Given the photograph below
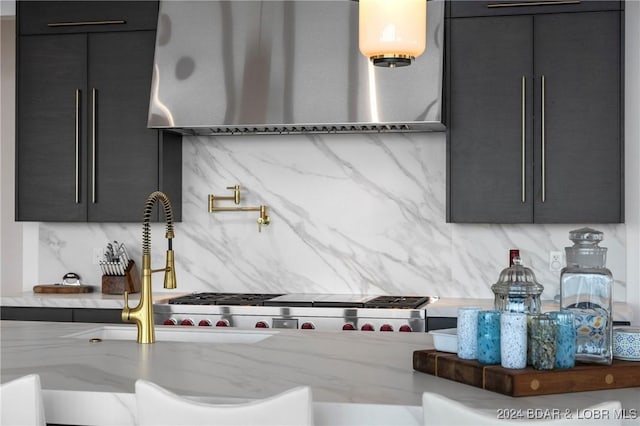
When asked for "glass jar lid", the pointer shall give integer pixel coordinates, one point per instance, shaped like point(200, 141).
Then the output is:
point(586, 236)
point(585, 251)
point(517, 280)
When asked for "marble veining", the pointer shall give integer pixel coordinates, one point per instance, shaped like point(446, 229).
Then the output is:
point(350, 213)
point(352, 375)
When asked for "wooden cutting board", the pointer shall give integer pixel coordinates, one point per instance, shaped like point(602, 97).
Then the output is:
point(528, 381)
point(59, 288)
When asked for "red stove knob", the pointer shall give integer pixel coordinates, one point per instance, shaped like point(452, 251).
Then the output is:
point(348, 326)
point(367, 327)
point(307, 326)
point(262, 324)
point(186, 321)
point(204, 323)
point(222, 323)
point(386, 327)
point(405, 327)
point(169, 321)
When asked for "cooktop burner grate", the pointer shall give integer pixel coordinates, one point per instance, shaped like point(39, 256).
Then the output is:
point(402, 302)
point(244, 299)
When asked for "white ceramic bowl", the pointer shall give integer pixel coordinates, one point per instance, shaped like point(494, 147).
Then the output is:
point(626, 343)
point(445, 340)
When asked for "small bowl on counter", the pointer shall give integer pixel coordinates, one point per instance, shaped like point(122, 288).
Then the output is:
point(626, 343)
point(445, 340)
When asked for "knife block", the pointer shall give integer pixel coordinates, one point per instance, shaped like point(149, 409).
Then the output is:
point(118, 284)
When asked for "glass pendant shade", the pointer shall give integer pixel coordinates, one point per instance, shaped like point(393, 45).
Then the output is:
point(392, 32)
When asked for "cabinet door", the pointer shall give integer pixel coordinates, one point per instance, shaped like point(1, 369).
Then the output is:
point(579, 57)
point(489, 163)
point(62, 17)
point(123, 153)
point(50, 172)
point(462, 8)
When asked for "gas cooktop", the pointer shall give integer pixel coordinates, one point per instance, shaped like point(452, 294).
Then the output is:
point(303, 300)
point(302, 311)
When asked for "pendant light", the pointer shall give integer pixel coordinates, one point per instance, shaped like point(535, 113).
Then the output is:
point(392, 33)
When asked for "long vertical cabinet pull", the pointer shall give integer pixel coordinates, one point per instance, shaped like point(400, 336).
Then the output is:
point(77, 137)
point(544, 168)
point(94, 92)
point(522, 148)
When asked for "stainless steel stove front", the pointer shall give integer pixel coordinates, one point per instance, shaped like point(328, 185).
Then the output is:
point(317, 318)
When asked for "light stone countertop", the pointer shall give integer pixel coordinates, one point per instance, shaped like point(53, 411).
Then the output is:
point(347, 371)
point(444, 307)
point(96, 300)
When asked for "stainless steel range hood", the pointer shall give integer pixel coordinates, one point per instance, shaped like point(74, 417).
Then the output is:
point(233, 67)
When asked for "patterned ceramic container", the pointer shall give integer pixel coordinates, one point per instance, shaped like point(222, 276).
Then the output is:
point(626, 343)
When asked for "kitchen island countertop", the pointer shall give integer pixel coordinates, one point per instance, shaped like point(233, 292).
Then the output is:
point(341, 367)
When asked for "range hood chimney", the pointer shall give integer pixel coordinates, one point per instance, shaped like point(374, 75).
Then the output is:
point(279, 66)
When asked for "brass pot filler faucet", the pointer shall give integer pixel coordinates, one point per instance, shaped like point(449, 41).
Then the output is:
point(263, 219)
point(142, 315)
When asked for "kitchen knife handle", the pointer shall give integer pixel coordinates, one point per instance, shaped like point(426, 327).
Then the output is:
point(94, 93)
point(523, 96)
point(544, 166)
point(77, 147)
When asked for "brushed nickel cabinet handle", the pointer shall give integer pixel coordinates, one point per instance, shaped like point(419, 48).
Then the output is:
point(94, 92)
point(522, 148)
point(544, 167)
point(534, 3)
point(77, 147)
point(78, 23)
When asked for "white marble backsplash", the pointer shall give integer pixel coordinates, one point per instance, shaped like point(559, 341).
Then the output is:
point(349, 214)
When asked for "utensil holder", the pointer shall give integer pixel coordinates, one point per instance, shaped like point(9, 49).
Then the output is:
point(118, 284)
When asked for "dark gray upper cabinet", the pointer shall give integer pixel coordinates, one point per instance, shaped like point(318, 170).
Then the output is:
point(466, 8)
point(83, 151)
point(60, 17)
point(534, 118)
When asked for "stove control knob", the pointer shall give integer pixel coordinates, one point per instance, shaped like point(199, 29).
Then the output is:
point(405, 327)
point(204, 323)
point(386, 327)
point(222, 323)
point(169, 321)
point(367, 327)
point(186, 321)
point(307, 326)
point(262, 324)
point(348, 326)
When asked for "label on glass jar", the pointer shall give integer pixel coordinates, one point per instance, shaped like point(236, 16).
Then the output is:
point(591, 329)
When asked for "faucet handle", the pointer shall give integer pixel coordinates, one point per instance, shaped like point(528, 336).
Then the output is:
point(236, 193)
point(126, 310)
point(264, 218)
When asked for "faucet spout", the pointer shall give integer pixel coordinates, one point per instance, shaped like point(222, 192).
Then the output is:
point(142, 314)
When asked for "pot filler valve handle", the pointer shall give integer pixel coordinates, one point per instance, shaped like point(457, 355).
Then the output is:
point(263, 219)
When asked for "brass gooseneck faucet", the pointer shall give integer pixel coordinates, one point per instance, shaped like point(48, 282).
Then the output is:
point(142, 315)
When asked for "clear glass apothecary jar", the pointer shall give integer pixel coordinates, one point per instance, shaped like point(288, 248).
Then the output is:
point(586, 287)
point(517, 289)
